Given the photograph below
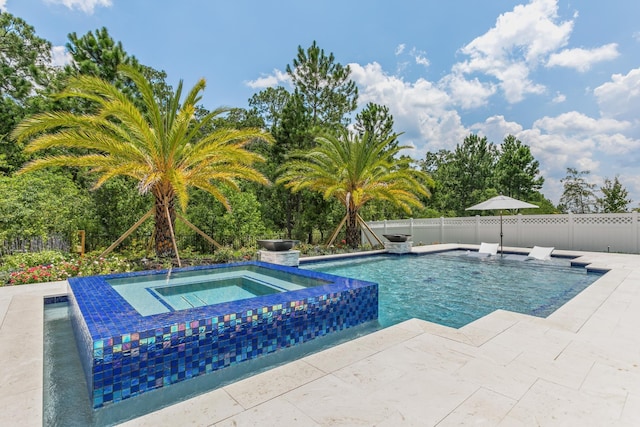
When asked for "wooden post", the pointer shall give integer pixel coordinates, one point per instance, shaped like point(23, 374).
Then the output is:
point(197, 230)
point(337, 230)
point(366, 226)
point(80, 248)
point(127, 233)
point(173, 235)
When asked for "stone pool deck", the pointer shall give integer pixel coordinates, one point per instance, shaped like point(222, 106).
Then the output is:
point(580, 366)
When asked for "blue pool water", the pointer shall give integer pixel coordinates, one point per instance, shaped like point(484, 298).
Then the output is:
point(453, 289)
point(151, 294)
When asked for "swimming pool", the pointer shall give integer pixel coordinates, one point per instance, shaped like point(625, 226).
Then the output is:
point(453, 289)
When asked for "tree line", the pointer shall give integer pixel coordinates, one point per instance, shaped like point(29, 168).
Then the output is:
point(100, 133)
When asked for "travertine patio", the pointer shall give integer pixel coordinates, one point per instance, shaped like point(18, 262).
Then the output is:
point(580, 366)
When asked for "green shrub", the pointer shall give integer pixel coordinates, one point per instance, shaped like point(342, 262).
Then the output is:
point(223, 255)
point(21, 261)
point(40, 267)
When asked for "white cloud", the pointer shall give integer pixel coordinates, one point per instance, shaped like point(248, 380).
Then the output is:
point(270, 80)
point(3, 5)
point(620, 98)
point(86, 6)
point(576, 140)
point(559, 98)
point(617, 144)
point(60, 56)
point(468, 94)
point(582, 59)
point(421, 109)
point(420, 57)
point(496, 128)
point(556, 152)
point(575, 123)
point(422, 60)
point(399, 49)
point(519, 41)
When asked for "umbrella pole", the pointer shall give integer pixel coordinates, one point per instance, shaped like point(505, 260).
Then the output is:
point(501, 249)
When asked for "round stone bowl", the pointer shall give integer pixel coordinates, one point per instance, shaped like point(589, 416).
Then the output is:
point(397, 237)
point(277, 245)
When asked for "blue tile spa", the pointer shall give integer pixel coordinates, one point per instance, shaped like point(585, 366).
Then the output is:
point(138, 332)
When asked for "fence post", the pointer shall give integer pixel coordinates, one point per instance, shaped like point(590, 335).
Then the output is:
point(634, 227)
point(385, 227)
point(476, 237)
point(519, 229)
point(571, 231)
point(411, 226)
point(441, 229)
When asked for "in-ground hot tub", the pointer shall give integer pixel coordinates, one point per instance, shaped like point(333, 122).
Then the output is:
point(139, 332)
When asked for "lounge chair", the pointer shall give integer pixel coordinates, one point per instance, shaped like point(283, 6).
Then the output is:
point(490, 249)
point(540, 253)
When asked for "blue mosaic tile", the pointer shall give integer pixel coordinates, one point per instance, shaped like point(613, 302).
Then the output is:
point(56, 299)
point(125, 354)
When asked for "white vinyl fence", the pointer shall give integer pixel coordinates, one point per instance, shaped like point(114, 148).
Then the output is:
point(585, 232)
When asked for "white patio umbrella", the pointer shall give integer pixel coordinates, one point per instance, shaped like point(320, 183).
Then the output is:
point(500, 203)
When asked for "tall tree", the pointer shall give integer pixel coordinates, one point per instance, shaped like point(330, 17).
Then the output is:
point(324, 85)
point(270, 104)
point(577, 196)
point(376, 120)
point(98, 54)
point(516, 171)
point(465, 176)
point(615, 197)
point(25, 69)
point(354, 170)
point(161, 149)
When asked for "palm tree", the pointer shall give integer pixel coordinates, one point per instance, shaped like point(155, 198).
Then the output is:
point(355, 169)
point(160, 145)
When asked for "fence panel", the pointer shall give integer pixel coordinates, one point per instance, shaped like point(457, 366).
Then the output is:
point(586, 232)
point(57, 242)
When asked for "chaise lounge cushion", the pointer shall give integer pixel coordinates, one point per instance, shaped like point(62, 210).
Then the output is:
point(488, 248)
point(540, 252)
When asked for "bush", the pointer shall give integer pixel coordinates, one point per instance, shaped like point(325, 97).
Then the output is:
point(47, 267)
point(21, 261)
point(223, 255)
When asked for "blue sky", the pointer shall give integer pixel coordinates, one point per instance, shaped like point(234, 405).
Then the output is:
point(562, 76)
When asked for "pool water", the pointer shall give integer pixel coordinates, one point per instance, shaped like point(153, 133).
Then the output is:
point(151, 294)
point(453, 289)
point(182, 297)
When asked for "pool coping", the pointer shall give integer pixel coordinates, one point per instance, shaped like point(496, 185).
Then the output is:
point(596, 329)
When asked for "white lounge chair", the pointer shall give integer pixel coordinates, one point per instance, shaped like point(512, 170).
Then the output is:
point(488, 248)
point(540, 252)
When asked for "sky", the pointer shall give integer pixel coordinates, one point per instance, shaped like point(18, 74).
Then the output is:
point(561, 76)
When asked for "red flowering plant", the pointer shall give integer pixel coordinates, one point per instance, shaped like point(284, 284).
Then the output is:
point(30, 268)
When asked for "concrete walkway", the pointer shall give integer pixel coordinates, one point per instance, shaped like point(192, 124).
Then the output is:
point(578, 367)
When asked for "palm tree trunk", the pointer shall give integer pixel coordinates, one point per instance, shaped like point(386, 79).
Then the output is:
point(353, 229)
point(163, 226)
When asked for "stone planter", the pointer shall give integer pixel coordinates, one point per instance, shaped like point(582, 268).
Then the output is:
point(397, 237)
point(277, 245)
